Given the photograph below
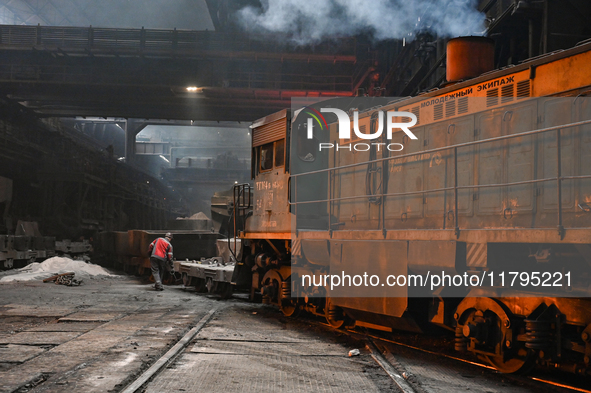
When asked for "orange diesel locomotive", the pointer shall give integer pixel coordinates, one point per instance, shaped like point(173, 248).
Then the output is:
point(499, 180)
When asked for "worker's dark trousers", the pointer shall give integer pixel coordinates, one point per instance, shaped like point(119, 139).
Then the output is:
point(158, 269)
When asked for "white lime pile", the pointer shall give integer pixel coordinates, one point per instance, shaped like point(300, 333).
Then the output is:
point(57, 265)
point(196, 216)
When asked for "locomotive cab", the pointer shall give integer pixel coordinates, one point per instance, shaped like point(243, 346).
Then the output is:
point(270, 174)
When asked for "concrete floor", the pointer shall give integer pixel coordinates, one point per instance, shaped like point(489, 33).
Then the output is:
point(103, 335)
point(92, 338)
point(100, 336)
point(242, 350)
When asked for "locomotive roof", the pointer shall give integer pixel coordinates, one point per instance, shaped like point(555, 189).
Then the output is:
point(531, 64)
point(271, 118)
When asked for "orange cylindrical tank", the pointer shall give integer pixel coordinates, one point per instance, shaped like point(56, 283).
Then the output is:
point(468, 57)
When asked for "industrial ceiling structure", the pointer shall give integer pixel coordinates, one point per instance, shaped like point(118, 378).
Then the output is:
point(164, 74)
point(79, 79)
point(56, 68)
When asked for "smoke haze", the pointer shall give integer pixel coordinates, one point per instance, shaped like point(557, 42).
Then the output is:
point(306, 21)
point(151, 14)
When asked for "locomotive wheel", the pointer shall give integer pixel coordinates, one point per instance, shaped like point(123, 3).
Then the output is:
point(523, 362)
point(290, 309)
point(334, 315)
point(200, 285)
point(485, 323)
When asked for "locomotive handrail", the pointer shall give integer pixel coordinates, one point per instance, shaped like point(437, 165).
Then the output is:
point(558, 178)
point(239, 210)
point(445, 189)
point(465, 144)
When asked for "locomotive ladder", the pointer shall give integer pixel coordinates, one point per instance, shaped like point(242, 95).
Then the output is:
point(242, 203)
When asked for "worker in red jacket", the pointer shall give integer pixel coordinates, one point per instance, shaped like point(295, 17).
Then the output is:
point(160, 257)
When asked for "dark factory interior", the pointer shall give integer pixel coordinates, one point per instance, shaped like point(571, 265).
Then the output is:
point(75, 95)
point(124, 123)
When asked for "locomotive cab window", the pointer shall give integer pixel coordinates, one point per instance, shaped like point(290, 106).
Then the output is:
point(267, 157)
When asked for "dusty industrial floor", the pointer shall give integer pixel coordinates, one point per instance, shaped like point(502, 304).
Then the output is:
point(103, 335)
point(100, 336)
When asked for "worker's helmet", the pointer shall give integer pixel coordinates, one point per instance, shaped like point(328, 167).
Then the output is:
point(168, 235)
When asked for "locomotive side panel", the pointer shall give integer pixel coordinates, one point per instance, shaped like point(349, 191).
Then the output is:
point(556, 112)
point(354, 213)
point(519, 161)
point(406, 175)
point(489, 166)
point(584, 145)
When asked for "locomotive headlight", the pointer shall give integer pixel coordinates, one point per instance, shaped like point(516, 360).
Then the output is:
point(192, 89)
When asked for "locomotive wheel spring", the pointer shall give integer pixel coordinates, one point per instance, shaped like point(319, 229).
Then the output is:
point(538, 334)
point(334, 314)
point(461, 341)
point(286, 290)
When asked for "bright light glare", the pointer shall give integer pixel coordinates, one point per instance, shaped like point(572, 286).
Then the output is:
point(192, 89)
point(164, 158)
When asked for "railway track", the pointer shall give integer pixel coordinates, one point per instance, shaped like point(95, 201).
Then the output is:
point(243, 338)
point(170, 355)
point(397, 358)
point(384, 346)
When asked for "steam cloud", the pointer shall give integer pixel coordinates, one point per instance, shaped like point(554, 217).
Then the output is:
point(306, 21)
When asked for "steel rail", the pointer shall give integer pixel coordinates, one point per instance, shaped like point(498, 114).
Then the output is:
point(170, 355)
point(356, 334)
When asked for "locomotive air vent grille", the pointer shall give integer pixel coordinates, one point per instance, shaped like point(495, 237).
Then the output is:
point(438, 112)
point(463, 105)
point(492, 97)
point(415, 111)
point(507, 93)
point(450, 108)
point(269, 132)
point(523, 89)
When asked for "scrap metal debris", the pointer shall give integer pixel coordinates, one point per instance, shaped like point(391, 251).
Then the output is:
point(64, 279)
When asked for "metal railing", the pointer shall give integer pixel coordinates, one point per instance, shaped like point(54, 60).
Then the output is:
point(146, 41)
point(558, 178)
